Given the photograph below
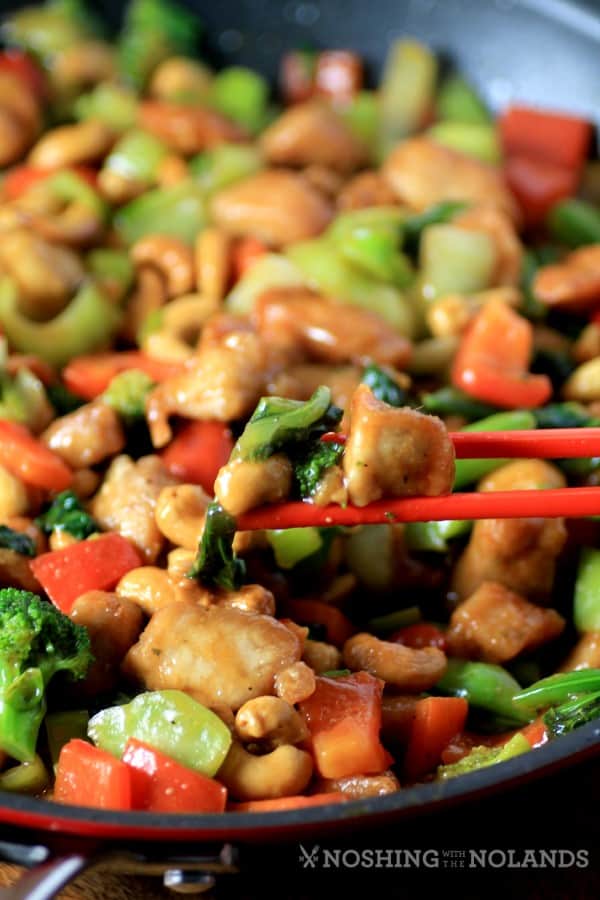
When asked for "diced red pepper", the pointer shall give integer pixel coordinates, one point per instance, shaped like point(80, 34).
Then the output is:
point(492, 360)
point(343, 716)
point(315, 612)
point(96, 564)
point(297, 76)
point(26, 69)
point(87, 776)
point(160, 784)
point(297, 801)
point(339, 74)
point(538, 185)
point(198, 451)
point(30, 460)
point(436, 721)
point(89, 376)
point(18, 180)
point(550, 136)
point(419, 635)
point(246, 251)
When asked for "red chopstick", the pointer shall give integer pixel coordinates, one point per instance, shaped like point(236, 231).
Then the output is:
point(556, 443)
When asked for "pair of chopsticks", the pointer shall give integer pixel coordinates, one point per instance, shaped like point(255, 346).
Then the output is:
point(559, 443)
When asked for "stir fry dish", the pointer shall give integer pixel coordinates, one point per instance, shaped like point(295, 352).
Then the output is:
point(214, 297)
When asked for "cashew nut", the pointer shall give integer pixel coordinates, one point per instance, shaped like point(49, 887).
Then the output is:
point(72, 145)
point(13, 496)
point(171, 257)
point(178, 76)
point(148, 296)
point(321, 657)
point(213, 262)
point(153, 588)
point(270, 719)
point(180, 511)
point(283, 772)
point(295, 683)
point(242, 485)
point(81, 65)
point(403, 667)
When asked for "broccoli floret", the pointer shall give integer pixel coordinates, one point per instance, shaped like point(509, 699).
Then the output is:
point(67, 514)
point(311, 463)
point(36, 642)
point(573, 714)
point(216, 564)
point(383, 386)
point(17, 541)
point(126, 393)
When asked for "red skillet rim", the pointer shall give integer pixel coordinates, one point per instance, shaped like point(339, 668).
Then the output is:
point(43, 815)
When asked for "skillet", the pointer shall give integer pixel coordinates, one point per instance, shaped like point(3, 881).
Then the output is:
point(539, 51)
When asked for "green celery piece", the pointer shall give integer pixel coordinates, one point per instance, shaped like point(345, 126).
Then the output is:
point(137, 156)
point(370, 239)
point(242, 95)
point(291, 545)
point(574, 222)
point(450, 401)
point(112, 269)
point(323, 266)
point(439, 214)
point(486, 686)
point(433, 537)
point(216, 564)
point(110, 103)
point(225, 164)
point(400, 618)
point(558, 688)
point(479, 141)
point(62, 727)
point(271, 270)
point(26, 778)
point(586, 611)
point(481, 757)
point(454, 260)
point(178, 211)
point(457, 101)
point(72, 188)
point(406, 91)
point(88, 322)
point(170, 721)
point(277, 421)
point(361, 115)
point(468, 471)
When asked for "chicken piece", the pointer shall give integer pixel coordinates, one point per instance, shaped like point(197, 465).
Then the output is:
point(357, 787)
point(86, 436)
point(501, 229)
point(422, 173)
point(393, 452)
point(312, 133)
point(585, 654)
point(521, 554)
point(224, 380)
point(495, 625)
point(327, 331)
point(364, 191)
point(276, 206)
point(127, 499)
point(221, 656)
point(574, 283)
point(114, 624)
point(241, 485)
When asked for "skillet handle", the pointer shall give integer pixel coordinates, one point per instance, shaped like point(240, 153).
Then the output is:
point(45, 881)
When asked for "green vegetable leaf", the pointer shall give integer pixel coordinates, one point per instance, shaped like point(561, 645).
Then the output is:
point(216, 564)
point(67, 514)
point(311, 462)
point(383, 386)
point(569, 716)
point(17, 541)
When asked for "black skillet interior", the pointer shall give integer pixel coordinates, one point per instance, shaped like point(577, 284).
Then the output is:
point(540, 51)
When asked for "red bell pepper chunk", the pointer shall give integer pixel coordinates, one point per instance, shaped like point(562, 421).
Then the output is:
point(343, 717)
point(537, 185)
point(30, 460)
point(93, 565)
point(160, 784)
point(246, 251)
point(492, 360)
point(18, 180)
point(89, 376)
point(22, 66)
point(198, 451)
point(87, 776)
point(420, 635)
point(436, 721)
point(549, 136)
point(314, 612)
point(297, 801)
